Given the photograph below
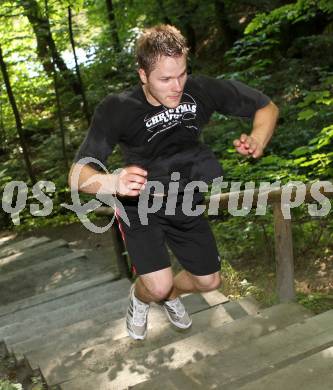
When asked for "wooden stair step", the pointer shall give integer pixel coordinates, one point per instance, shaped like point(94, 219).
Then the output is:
point(131, 366)
point(55, 294)
point(90, 297)
point(31, 256)
point(311, 373)
point(65, 360)
point(51, 274)
point(237, 366)
point(19, 246)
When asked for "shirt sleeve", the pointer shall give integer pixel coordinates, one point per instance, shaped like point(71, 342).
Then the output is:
point(231, 97)
point(102, 135)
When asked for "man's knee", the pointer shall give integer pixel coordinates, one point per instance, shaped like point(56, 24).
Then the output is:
point(207, 282)
point(159, 291)
point(159, 287)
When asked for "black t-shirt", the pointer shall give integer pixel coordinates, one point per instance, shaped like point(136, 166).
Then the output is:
point(164, 140)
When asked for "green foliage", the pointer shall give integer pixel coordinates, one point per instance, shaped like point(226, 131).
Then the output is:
point(304, 104)
point(302, 10)
point(252, 60)
point(298, 78)
point(317, 156)
point(326, 6)
point(246, 247)
point(7, 385)
point(316, 302)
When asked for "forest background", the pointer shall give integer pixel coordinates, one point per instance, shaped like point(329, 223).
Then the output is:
point(60, 58)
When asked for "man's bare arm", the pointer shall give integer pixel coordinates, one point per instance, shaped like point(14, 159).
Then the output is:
point(130, 181)
point(263, 128)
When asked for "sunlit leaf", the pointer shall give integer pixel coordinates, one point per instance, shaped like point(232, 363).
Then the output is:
point(306, 114)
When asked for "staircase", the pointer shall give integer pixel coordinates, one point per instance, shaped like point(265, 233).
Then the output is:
point(18, 371)
point(65, 314)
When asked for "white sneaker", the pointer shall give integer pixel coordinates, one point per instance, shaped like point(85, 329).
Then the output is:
point(136, 318)
point(177, 314)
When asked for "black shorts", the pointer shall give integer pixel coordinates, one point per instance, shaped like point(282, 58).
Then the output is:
point(189, 237)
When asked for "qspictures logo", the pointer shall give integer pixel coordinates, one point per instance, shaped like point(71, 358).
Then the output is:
point(155, 195)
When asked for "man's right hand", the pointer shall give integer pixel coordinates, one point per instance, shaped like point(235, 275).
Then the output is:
point(131, 181)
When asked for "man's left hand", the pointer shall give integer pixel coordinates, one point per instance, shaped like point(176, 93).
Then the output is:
point(248, 146)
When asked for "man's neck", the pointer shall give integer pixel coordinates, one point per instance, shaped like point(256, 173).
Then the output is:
point(149, 97)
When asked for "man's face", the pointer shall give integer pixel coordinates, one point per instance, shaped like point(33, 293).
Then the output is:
point(165, 83)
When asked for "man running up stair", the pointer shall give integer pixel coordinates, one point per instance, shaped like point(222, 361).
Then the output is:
point(158, 125)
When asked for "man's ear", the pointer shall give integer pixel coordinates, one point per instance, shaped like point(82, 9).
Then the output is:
point(143, 76)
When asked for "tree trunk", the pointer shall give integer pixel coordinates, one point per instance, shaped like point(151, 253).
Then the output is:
point(113, 26)
point(3, 135)
point(189, 9)
point(60, 118)
point(77, 68)
point(18, 121)
point(58, 103)
point(191, 37)
point(163, 13)
point(46, 48)
point(229, 35)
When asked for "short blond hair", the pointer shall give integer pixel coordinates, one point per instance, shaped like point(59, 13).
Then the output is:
point(157, 41)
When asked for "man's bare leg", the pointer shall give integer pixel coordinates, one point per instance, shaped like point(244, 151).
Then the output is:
point(155, 286)
point(141, 292)
point(184, 282)
point(159, 285)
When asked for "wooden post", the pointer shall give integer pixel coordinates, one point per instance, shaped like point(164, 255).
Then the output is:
point(119, 248)
point(118, 243)
point(283, 256)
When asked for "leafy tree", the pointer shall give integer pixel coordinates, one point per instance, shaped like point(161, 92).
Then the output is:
point(77, 67)
point(46, 47)
point(113, 25)
point(17, 116)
